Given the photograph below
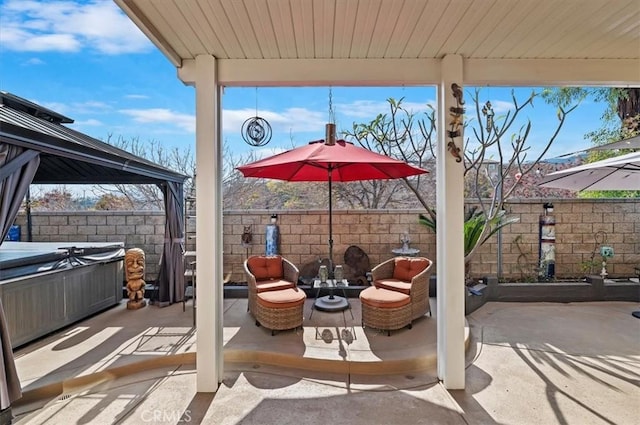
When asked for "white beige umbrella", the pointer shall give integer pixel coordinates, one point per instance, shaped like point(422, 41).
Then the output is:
point(630, 143)
point(617, 173)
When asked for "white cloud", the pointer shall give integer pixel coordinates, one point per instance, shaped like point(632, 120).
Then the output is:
point(58, 107)
point(33, 61)
point(69, 26)
point(17, 39)
point(368, 109)
point(502, 106)
point(266, 152)
point(136, 96)
point(76, 108)
point(91, 122)
point(164, 116)
point(90, 107)
point(290, 120)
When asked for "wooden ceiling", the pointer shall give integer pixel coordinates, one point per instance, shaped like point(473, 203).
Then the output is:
point(584, 30)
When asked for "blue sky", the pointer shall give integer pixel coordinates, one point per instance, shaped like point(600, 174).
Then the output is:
point(88, 61)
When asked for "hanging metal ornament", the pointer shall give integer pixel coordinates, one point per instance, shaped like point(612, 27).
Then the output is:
point(256, 131)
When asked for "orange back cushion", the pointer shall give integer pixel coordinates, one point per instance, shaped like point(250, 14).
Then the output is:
point(266, 267)
point(406, 268)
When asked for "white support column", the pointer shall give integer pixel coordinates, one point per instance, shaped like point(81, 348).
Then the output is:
point(208, 226)
point(450, 235)
point(218, 257)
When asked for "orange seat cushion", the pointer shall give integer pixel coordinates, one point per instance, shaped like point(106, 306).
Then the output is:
point(383, 298)
point(394, 285)
point(273, 285)
point(282, 298)
point(406, 268)
point(266, 267)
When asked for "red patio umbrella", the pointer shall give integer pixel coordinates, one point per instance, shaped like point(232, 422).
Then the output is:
point(334, 160)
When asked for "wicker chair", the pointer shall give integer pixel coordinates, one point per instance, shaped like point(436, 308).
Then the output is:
point(399, 295)
point(274, 298)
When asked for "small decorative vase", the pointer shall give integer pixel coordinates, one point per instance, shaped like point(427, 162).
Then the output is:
point(323, 273)
point(338, 273)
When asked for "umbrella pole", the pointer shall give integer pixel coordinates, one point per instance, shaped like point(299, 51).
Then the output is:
point(330, 226)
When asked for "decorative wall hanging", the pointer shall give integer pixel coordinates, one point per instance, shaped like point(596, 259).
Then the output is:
point(455, 122)
point(487, 111)
point(256, 131)
point(247, 236)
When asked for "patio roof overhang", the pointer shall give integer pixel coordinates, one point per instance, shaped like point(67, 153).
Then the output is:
point(216, 43)
point(398, 42)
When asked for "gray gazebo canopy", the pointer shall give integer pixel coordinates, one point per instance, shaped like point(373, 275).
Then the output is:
point(34, 137)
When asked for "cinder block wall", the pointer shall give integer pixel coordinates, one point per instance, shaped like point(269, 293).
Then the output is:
point(304, 235)
point(579, 222)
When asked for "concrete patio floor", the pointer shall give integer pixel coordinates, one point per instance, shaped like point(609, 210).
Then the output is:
point(527, 363)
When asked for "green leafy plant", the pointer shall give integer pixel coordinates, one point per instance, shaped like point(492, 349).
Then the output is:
point(588, 266)
point(477, 228)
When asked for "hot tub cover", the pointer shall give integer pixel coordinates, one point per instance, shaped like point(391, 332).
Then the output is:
point(27, 258)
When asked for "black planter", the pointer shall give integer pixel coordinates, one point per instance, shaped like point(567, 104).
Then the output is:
point(433, 286)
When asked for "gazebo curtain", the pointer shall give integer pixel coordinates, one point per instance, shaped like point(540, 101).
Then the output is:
point(17, 168)
point(171, 275)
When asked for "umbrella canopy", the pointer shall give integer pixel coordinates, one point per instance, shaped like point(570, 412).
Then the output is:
point(617, 173)
point(337, 160)
point(317, 161)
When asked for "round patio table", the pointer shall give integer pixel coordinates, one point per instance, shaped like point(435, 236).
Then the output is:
point(407, 252)
point(331, 302)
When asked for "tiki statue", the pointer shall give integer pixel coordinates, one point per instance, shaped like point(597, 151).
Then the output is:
point(134, 272)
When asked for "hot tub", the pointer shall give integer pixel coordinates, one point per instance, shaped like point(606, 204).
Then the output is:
point(45, 286)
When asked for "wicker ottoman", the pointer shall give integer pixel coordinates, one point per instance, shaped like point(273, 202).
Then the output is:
point(281, 309)
point(385, 309)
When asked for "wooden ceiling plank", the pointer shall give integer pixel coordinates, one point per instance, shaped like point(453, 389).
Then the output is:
point(471, 18)
point(262, 24)
point(323, 28)
point(424, 30)
point(280, 13)
point(157, 18)
point(444, 29)
point(572, 23)
point(481, 33)
point(196, 18)
point(386, 26)
point(302, 18)
point(583, 38)
point(346, 11)
point(237, 14)
point(524, 29)
point(407, 22)
point(514, 17)
point(544, 29)
point(183, 28)
point(221, 27)
point(556, 14)
point(364, 27)
point(628, 30)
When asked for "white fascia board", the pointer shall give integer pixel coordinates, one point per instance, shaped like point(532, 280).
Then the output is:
point(552, 72)
point(415, 72)
point(329, 72)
